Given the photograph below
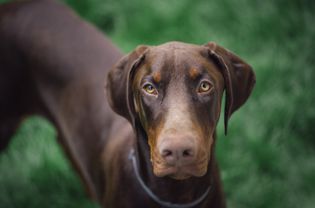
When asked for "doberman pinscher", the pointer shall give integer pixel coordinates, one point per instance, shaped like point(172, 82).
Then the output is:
point(54, 64)
point(157, 150)
point(171, 94)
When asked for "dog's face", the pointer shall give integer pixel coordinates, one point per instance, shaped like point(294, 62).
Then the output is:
point(177, 96)
point(174, 92)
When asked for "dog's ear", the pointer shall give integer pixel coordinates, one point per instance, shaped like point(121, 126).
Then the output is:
point(119, 83)
point(238, 76)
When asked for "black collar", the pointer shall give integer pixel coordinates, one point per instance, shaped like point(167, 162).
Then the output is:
point(154, 197)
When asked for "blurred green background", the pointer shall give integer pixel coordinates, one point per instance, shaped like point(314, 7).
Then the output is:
point(267, 159)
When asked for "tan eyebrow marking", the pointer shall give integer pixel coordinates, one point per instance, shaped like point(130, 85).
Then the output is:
point(157, 77)
point(194, 73)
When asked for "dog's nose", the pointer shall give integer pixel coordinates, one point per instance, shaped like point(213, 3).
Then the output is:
point(179, 150)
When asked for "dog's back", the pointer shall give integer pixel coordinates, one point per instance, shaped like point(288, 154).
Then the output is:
point(54, 64)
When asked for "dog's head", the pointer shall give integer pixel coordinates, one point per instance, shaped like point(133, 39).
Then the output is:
point(174, 92)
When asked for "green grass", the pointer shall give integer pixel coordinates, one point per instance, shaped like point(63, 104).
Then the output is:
point(268, 157)
point(35, 173)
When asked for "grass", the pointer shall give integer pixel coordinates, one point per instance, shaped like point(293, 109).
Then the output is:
point(267, 159)
point(34, 172)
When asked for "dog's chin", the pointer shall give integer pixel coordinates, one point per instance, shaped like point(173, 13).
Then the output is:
point(180, 176)
point(179, 173)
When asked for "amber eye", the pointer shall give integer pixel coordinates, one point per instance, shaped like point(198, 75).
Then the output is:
point(150, 89)
point(204, 87)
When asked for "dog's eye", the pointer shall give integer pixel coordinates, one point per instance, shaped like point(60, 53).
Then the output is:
point(150, 89)
point(205, 87)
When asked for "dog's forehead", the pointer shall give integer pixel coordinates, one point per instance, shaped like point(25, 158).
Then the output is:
point(175, 50)
point(176, 59)
point(174, 45)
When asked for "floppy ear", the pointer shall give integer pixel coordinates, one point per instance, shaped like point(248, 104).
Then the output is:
point(238, 76)
point(119, 83)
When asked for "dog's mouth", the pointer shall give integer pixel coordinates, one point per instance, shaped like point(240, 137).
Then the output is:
point(179, 156)
point(180, 172)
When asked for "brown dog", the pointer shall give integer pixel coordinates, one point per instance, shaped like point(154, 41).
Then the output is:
point(170, 94)
point(54, 64)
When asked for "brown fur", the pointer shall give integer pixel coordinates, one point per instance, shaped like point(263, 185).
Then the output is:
point(52, 63)
point(55, 66)
point(194, 73)
point(179, 66)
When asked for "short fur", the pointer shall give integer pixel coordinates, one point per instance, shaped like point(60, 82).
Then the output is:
point(53, 63)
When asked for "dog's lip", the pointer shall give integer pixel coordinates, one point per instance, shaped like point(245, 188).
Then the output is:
point(180, 172)
point(181, 176)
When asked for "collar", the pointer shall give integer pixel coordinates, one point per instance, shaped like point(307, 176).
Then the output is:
point(154, 197)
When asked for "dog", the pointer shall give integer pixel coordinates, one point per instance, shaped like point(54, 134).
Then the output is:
point(149, 139)
point(171, 95)
point(53, 64)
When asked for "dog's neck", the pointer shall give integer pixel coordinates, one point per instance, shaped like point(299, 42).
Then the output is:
point(168, 189)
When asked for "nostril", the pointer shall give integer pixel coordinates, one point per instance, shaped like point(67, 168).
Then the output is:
point(167, 153)
point(168, 156)
point(188, 153)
